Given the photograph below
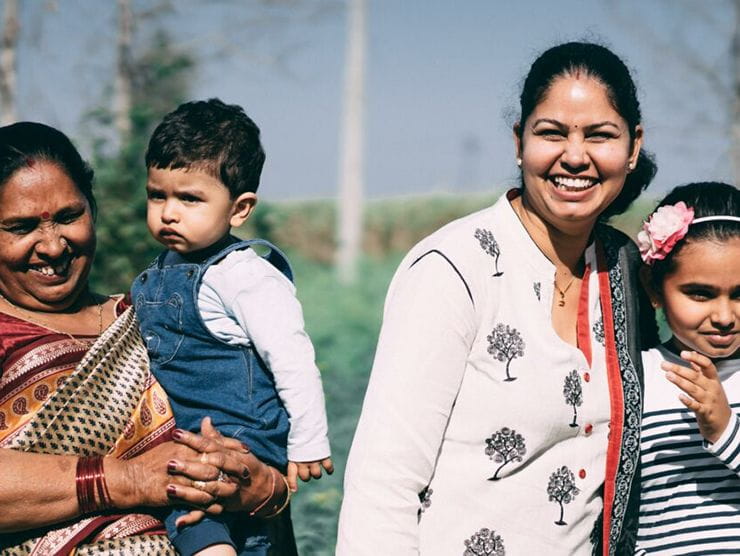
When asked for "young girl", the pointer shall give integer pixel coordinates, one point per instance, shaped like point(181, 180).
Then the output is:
point(690, 447)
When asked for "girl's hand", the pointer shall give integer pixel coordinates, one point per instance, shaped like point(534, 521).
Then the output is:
point(704, 394)
point(307, 469)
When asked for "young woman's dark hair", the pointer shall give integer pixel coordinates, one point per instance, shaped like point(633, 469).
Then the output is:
point(600, 63)
point(706, 199)
point(217, 138)
point(24, 143)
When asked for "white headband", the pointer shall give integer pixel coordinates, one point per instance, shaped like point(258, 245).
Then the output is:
point(713, 218)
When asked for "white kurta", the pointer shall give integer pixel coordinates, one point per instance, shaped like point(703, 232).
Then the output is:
point(518, 462)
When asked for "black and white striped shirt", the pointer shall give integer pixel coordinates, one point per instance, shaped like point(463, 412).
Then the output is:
point(690, 497)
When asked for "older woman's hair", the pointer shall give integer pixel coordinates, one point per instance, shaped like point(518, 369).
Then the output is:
point(601, 64)
point(24, 143)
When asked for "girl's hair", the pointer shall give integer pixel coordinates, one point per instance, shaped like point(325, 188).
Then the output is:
point(601, 64)
point(24, 143)
point(709, 198)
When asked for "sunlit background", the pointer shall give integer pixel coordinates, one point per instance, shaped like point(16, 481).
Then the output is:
point(405, 105)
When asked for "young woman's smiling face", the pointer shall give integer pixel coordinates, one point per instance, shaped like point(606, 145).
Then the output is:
point(576, 151)
point(701, 298)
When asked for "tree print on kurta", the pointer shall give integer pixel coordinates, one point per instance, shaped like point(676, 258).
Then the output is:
point(489, 245)
point(562, 489)
point(505, 344)
point(537, 290)
point(573, 393)
point(484, 543)
point(425, 497)
point(503, 447)
point(598, 330)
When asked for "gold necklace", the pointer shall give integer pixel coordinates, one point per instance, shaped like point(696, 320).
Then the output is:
point(28, 316)
point(561, 301)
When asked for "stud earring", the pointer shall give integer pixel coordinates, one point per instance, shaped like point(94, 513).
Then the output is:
point(630, 166)
point(519, 162)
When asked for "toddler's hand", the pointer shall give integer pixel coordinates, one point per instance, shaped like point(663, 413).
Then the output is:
point(307, 469)
point(704, 394)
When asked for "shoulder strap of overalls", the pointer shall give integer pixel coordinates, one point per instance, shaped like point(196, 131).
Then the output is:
point(275, 257)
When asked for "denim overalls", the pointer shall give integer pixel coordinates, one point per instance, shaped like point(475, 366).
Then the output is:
point(204, 376)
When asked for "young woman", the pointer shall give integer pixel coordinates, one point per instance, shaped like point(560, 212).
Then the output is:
point(502, 413)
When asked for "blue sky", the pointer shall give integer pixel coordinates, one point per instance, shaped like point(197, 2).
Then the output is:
point(442, 81)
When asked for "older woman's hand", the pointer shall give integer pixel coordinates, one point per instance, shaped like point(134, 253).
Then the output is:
point(256, 487)
point(252, 485)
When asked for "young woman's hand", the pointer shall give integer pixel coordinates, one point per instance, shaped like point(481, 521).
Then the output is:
point(703, 393)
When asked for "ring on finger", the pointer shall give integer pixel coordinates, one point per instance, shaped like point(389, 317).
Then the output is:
point(222, 477)
point(200, 485)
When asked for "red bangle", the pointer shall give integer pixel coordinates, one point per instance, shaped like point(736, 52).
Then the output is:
point(90, 478)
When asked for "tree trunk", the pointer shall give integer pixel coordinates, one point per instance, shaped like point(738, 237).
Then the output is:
point(509, 378)
point(8, 110)
point(562, 511)
point(123, 88)
point(735, 108)
point(349, 217)
point(575, 417)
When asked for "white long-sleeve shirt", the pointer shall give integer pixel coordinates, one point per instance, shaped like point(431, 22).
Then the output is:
point(424, 476)
point(245, 300)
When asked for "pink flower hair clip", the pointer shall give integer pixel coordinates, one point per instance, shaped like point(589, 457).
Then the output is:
point(665, 227)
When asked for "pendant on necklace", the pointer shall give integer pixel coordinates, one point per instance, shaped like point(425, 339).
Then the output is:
point(561, 303)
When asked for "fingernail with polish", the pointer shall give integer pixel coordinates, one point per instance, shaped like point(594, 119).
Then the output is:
point(171, 466)
point(245, 448)
point(246, 473)
point(177, 434)
point(171, 490)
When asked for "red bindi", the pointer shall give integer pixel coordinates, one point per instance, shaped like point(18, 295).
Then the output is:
point(45, 215)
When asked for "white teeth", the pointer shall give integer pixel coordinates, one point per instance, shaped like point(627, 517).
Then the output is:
point(49, 270)
point(573, 184)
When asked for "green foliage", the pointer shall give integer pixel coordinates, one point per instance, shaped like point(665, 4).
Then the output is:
point(343, 323)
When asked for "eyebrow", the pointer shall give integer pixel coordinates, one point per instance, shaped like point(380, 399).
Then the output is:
point(562, 125)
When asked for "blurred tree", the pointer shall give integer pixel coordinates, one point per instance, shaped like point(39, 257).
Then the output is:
point(123, 87)
point(160, 78)
point(688, 54)
point(350, 224)
point(8, 69)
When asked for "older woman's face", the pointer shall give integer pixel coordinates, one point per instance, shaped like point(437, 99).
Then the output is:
point(47, 239)
point(575, 150)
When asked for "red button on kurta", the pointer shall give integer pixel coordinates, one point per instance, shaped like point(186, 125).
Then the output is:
point(582, 473)
point(587, 377)
point(588, 428)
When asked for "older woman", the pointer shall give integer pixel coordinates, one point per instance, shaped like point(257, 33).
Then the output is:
point(85, 431)
point(502, 414)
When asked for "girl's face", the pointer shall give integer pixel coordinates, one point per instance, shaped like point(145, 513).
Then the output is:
point(576, 151)
point(701, 298)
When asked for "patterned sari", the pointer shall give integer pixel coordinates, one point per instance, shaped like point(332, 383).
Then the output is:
point(85, 396)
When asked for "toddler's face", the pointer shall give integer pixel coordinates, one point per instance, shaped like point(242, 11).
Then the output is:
point(187, 210)
point(701, 299)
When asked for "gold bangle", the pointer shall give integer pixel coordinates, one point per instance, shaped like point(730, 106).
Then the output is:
point(285, 503)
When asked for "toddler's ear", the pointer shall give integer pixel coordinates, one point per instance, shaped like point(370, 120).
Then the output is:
point(243, 206)
point(646, 278)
